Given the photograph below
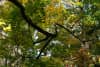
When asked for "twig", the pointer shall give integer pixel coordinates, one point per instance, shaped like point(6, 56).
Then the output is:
point(69, 32)
point(40, 40)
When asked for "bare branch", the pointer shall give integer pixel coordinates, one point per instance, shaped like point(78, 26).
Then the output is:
point(43, 48)
point(49, 36)
point(28, 19)
point(69, 32)
point(41, 40)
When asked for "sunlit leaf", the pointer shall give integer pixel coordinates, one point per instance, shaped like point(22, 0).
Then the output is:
point(8, 28)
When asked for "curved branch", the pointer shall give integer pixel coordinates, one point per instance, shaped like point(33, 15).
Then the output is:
point(28, 19)
point(49, 36)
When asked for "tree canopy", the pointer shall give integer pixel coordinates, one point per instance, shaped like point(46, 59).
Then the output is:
point(47, 33)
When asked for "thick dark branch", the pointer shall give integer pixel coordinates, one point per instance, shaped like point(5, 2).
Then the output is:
point(43, 48)
point(28, 19)
point(49, 36)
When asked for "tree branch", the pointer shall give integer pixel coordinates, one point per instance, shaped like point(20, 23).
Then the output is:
point(28, 19)
point(43, 48)
point(69, 32)
point(40, 40)
point(49, 36)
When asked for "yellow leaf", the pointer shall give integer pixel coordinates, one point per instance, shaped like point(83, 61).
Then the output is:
point(6, 29)
point(2, 23)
